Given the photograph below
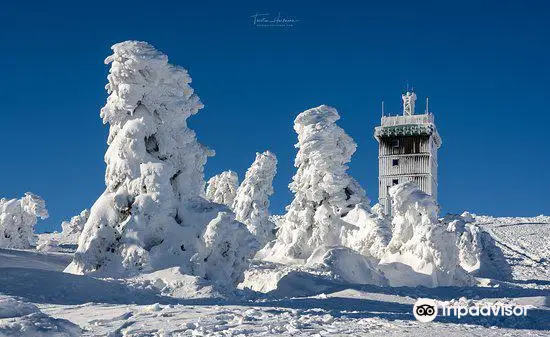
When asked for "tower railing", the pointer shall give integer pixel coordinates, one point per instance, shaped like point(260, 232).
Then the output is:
point(412, 119)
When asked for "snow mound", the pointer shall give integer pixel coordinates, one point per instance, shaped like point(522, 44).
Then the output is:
point(222, 188)
point(174, 282)
point(421, 251)
point(18, 218)
point(26, 320)
point(324, 192)
point(288, 280)
point(251, 204)
point(153, 215)
point(347, 265)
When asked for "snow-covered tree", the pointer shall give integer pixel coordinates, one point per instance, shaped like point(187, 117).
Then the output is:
point(222, 188)
point(17, 220)
point(73, 228)
point(324, 192)
point(251, 204)
point(421, 251)
point(153, 214)
point(468, 240)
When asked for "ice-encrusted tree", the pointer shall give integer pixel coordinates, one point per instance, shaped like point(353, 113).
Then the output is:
point(222, 188)
point(73, 228)
point(323, 191)
point(422, 251)
point(251, 204)
point(153, 214)
point(18, 218)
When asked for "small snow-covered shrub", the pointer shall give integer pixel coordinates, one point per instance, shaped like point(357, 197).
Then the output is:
point(222, 188)
point(468, 240)
point(47, 244)
point(153, 214)
point(251, 204)
point(17, 220)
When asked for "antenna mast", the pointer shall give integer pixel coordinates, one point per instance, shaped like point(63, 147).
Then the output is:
point(382, 108)
point(427, 105)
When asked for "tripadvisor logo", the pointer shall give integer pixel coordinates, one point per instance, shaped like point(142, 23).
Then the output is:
point(426, 310)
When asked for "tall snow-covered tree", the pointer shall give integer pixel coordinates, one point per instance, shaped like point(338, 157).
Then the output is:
point(323, 191)
point(18, 218)
point(153, 214)
point(222, 188)
point(251, 204)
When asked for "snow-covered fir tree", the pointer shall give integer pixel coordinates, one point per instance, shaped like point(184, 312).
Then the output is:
point(421, 251)
point(153, 214)
point(323, 191)
point(251, 204)
point(222, 188)
point(18, 218)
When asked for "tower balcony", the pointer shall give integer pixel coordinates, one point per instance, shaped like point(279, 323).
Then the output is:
point(408, 125)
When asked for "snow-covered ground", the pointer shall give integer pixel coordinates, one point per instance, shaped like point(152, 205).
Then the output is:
point(39, 299)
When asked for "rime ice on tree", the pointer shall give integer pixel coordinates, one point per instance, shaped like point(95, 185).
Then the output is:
point(152, 214)
point(408, 150)
point(324, 192)
point(17, 220)
point(421, 250)
point(222, 188)
point(251, 204)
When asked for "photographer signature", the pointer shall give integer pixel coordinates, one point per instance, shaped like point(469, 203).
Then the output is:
point(266, 20)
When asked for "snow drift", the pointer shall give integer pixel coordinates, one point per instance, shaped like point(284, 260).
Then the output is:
point(26, 320)
point(251, 204)
point(17, 220)
point(153, 214)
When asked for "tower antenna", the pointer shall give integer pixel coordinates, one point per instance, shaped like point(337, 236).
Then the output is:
point(427, 105)
point(382, 108)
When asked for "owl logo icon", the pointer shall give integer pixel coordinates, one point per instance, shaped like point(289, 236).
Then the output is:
point(425, 310)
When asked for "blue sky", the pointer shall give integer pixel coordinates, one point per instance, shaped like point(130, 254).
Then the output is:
point(484, 66)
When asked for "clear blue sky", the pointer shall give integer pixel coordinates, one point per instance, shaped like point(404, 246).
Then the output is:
point(484, 66)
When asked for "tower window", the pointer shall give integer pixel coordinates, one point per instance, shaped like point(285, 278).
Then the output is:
point(395, 162)
point(395, 143)
point(395, 181)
